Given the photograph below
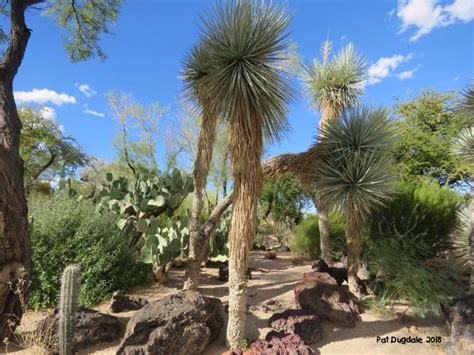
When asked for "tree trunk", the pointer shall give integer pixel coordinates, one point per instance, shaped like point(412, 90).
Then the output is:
point(15, 258)
point(197, 250)
point(354, 224)
point(323, 222)
point(246, 148)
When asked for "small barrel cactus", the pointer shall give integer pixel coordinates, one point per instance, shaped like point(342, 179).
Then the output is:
point(70, 290)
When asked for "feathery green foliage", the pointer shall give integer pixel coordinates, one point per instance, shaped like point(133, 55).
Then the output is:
point(337, 82)
point(427, 126)
point(354, 172)
point(425, 211)
point(306, 236)
point(85, 21)
point(246, 43)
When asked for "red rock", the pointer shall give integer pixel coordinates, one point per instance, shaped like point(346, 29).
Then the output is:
point(302, 322)
point(320, 292)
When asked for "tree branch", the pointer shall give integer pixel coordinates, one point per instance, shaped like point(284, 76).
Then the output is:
point(19, 36)
point(299, 164)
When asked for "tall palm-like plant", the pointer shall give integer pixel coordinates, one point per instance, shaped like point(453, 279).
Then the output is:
point(246, 41)
point(354, 172)
point(332, 86)
point(464, 148)
point(197, 65)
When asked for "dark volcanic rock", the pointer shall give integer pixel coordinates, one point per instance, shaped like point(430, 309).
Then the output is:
point(460, 317)
point(277, 343)
point(123, 303)
point(302, 322)
point(91, 327)
point(270, 255)
point(178, 324)
point(338, 273)
point(321, 293)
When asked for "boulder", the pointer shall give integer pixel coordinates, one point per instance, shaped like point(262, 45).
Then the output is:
point(302, 322)
point(320, 292)
point(277, 343)
point(123, 303)
point(91, 327)
point(179, 324)
point(270, 255)
point(460, 317)
point(338, 273)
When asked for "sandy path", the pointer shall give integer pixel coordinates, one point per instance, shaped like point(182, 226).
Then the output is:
point(278, 285)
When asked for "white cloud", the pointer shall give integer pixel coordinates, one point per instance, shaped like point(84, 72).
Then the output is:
point(384, 67)
point(43, 96)
point(48, 112)
point(93, 113)
point(407, 74)
point(462, 10)
point(425, 15)
point(343, 38)
point(456, 78)
point(86, 89)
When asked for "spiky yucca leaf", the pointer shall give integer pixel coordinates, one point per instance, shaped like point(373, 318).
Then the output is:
point(459, 240)
point(354, 172)
point(464, 147)
point(362, 129)
point(196, 66)
point(468, 102)
point(337, 82)
point(246, 41)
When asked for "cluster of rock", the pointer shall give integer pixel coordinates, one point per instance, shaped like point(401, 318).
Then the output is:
point(187, 320)
point(320, 297)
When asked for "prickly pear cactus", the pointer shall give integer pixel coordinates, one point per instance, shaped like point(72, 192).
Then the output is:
point(70, 290)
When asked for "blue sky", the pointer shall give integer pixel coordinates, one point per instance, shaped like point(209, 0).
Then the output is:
point(410, 45)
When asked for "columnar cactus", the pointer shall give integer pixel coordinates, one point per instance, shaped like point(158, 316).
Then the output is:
point(70, 290)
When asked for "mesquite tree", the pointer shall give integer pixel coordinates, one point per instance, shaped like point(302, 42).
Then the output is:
point(85, 20)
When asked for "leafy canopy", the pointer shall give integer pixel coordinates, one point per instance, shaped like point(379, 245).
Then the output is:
point(83, 20)
point(427, 125)
point(45, 150)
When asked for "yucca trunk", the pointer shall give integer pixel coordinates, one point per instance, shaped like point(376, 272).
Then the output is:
point(354, 225)
point(246, 148)
point(197, 241)
point(323, 223)
point(327, 119)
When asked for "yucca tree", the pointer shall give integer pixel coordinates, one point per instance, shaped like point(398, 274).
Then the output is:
point(354, 172)
point(332, 86)
point(246, 41)
point(464, 148)
point(197, 65)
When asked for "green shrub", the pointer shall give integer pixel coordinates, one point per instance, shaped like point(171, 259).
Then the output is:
point(427, 211)
point(306, 236)
point(65, 232)
point(422, 283)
